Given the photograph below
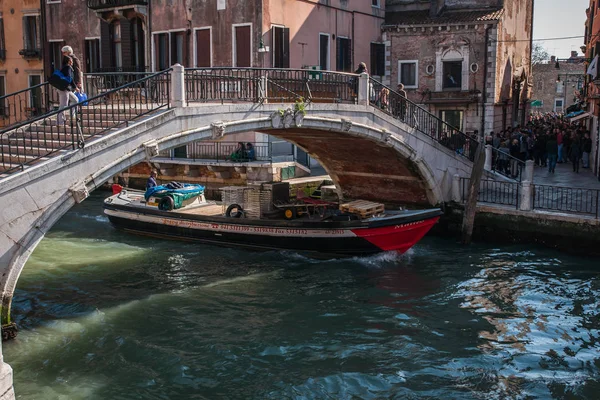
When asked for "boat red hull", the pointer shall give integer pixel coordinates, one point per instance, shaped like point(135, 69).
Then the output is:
point(398, 238)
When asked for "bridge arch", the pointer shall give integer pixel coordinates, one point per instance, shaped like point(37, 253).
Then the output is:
point(400, 165)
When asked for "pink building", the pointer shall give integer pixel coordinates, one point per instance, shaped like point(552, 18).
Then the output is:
point(152, 35)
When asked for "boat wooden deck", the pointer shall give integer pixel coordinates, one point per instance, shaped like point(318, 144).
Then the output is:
point(208, 210)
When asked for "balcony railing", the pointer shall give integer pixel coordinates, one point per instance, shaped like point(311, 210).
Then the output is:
point(31, 53)
point(103, 4)
point(223, 152)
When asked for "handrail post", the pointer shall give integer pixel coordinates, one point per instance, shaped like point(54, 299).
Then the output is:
point(529, 166)
point(526, 192)
point(363, 89)
point(488, 157)
point(178, 86)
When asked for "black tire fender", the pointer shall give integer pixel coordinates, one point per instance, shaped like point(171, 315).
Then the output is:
point(166, 204)
point(239, 211)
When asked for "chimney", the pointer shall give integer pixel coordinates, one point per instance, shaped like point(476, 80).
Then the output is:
point(553, 59)
point(573, 54)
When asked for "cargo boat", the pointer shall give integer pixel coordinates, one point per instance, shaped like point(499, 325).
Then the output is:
point(308, 226)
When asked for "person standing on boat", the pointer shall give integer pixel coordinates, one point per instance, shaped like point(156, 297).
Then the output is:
point(151, 180)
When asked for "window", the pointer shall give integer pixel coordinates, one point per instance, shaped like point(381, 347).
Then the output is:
point(56, 54)
point(344, 54)
point(242, 46)
point(31, 37)
point(203, 48)
point(138, 58)
point(3, 110)
point(378, 59)
point(559, 105)
point(375, 3)
point(408, 74)
point(281, 47)
point(178, 48)
point(35, 97)
point(452, 75)
point(453, 118)
point(161, 51)
point(116, 53)
point(92, 55)
point(324, 51)
point(2, 43)
point(560, 87)
point(540, 86)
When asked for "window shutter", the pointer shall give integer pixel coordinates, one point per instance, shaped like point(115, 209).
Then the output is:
point(105, 44)
point(2, 44)
point(338, 53)
point(38, 35)
point(286, 47)
point(25, 33)
point(203, 48)
point(126, 45)
point(186, 61)
point(348, 56)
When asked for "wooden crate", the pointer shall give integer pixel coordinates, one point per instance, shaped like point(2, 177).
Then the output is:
point(363, 208)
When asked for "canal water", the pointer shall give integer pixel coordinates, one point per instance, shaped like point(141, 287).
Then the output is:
point(106, 315)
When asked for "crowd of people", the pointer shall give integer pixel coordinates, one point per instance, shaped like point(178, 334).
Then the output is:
point(547, 139)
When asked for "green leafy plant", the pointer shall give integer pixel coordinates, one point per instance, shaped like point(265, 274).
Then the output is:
point(281, 112)
point(300, 106)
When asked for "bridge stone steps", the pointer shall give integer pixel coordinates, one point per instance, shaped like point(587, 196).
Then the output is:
point(34, 144)
point(24, 149)
point(55, 129)
point(16, 159)
point(115, 110)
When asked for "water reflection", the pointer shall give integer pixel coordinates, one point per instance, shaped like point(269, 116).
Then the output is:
point(543, 321)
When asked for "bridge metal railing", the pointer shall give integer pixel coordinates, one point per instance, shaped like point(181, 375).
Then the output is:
point(260, 84)
point(505, 164)
point(26, 104)
point(29, 141)
point(226, 151)
point(393, 103)
point(581, 201)
point(96, 83)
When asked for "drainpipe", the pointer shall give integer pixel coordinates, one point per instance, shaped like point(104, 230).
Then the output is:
point(485, 73)
point(150, 41)
point(353, 44)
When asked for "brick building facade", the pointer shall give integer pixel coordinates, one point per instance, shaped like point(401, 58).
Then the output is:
point(592, 90)
point(467, 61)
point(142, 35)
point(555, 89)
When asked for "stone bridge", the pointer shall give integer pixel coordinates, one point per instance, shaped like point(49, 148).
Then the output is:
point(368, 153)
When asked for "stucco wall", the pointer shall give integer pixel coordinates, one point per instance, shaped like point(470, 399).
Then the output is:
point(15, 68)
point(307, 19)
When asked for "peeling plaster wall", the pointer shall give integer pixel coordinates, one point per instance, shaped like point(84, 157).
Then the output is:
point(71, 21)
point(514, 48)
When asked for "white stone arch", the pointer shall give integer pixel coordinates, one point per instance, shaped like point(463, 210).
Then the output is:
point(47, 219)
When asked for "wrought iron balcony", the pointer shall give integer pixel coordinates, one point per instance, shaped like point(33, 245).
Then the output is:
point(31, 53)
point(103, 4)
point(453, 96)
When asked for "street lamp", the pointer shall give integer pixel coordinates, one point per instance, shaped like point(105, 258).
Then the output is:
point(262, 49)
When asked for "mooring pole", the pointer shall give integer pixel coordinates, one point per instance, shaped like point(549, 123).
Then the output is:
point(471, 203)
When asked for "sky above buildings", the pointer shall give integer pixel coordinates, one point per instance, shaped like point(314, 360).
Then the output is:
point(560, 18)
